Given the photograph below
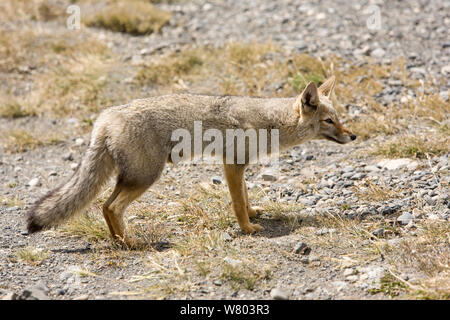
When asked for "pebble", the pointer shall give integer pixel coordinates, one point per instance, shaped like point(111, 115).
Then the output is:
point(227, 237)
point(36, 292)
point(216, 180)
point(348, 272)
point(79, 142)
point(378, 232)
point(302, 248)
point(232, 262)
point(269, 175)
point(378, 53)
point(10, 296)
point(35, 182)
point(395, 164)
point(279, 294)
point(405, 218)
point(445, 70)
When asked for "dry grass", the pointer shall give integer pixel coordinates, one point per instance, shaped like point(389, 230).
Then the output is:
point(14, 107)
point(90, 226)
point(253, 69)
point(368, 190)
point(416, 146)
point(74, 74)
point(136, 17)
point(171, 68)
point(20, 140)
point(32, 256)
point(427, 254)
point(13, 201)
point(34, 10)
point(198, 249)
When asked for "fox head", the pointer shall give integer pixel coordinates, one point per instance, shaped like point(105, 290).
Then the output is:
point(318, 114)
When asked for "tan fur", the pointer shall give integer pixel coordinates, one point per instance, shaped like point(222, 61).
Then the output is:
point(134, 140)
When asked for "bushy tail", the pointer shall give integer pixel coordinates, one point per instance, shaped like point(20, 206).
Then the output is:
point(71, 197)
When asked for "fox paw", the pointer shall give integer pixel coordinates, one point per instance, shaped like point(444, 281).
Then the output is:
point(127, 242)
point(251, 228)
point(253, 211)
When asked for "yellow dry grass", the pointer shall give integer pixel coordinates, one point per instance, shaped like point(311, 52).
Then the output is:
point(136, 17)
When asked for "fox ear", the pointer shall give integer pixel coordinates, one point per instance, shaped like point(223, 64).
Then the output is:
point(309, 98)
point(328, 86)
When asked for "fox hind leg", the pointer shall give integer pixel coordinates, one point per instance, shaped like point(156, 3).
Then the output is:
point(114, 209)
point(125, 192)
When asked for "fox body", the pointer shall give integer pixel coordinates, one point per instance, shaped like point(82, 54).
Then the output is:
point(134, 142)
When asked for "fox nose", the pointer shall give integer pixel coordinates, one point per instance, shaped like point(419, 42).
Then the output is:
point(353, 137)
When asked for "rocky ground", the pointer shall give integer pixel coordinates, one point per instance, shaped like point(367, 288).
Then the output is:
point(341, 222)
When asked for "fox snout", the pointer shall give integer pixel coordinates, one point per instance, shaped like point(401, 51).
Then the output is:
point(349, 134)
point(338, 133)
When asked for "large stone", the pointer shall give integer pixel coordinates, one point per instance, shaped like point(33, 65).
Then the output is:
point(394, 164)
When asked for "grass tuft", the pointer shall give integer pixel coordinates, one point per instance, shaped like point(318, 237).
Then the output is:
point(418, 146)
point(135, 17)
point(32, 256)
point(19, 140)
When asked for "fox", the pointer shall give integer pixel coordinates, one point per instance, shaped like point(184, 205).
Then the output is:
point(132, 142)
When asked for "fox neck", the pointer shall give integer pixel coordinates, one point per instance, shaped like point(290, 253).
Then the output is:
point(294, 129)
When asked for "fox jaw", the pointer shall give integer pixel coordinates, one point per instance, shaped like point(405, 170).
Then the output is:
point(319, 116)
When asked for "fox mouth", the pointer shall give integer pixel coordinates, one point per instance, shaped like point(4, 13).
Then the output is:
point(333, 139)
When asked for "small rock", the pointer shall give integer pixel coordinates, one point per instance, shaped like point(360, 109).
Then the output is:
point(378, 232)
point(79, 142)
point(352, 278)
point(72, 121)
point(68, 157)
point(216, 180)
point(418, 70)
point(269, 176)
point(445, 70)
point(348, 272)
point(82, 297)
point(322, 231)
point(232, 262)
point(37, 292)
point(339, 285)
point(444, 95)
point(404, 100)
point(372, 168)
point(279, 294)
point(302, 248)
point(227, 237)
point(378, 53)
point(405, 218)
point(396, 163)
point(10, 296)
point(35, 182)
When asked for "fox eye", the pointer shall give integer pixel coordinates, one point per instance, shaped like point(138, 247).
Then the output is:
point(329, 120)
